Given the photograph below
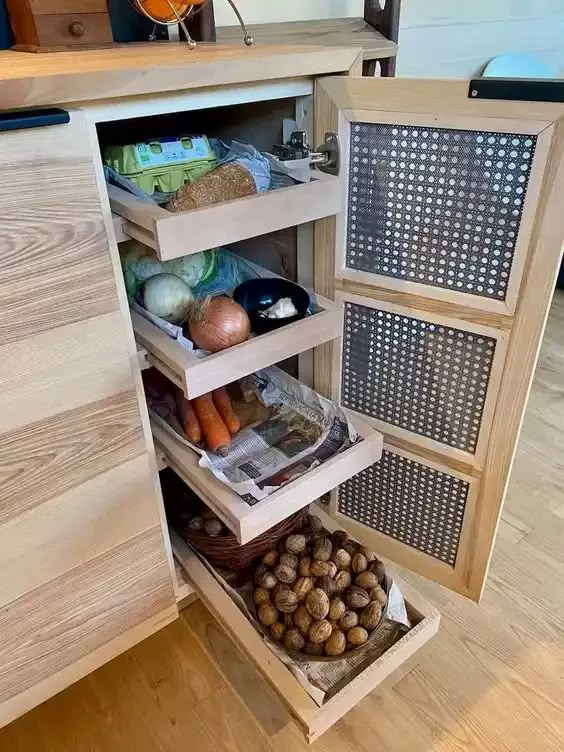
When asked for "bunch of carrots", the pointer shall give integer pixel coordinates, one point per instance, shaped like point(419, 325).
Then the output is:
point(210, 417)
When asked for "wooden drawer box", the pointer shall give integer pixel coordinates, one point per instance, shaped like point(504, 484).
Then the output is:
point(45, 25)
point(178, 234)
point(197, 376)
point(312, 719)
point(249, 521)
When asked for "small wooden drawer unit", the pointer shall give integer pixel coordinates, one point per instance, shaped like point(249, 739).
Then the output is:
point(46, 25)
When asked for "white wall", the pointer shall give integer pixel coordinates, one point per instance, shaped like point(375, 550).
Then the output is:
point(453, 38)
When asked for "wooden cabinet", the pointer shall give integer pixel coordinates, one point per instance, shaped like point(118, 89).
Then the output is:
point(433, 253)
point(86, 569)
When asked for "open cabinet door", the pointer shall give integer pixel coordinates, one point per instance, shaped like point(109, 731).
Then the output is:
point(445, 259)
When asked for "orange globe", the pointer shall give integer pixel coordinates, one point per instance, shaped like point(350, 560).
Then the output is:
point(160, 10)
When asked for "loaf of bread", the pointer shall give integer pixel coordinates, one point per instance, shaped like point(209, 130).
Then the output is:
point(225, 183)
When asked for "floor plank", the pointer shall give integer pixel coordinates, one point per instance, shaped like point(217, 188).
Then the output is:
point(492, 681)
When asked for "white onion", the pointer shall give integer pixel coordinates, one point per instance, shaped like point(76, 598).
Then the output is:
point(167, 296)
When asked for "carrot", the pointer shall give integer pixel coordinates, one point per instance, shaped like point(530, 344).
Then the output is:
point(215, 431)
point(222, 401)
point(187, 418)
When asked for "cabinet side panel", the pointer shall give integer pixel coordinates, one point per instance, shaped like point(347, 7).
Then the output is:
point(85, 561)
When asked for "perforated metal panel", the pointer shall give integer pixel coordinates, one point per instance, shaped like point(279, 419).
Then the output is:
point(416, 375)
point(436, 206)
point(413, 503)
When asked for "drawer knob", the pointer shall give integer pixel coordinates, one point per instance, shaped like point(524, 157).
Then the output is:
point(76, 29)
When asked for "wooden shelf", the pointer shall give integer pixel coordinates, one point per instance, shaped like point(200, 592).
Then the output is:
point(183, 589)
point(197, 376)
point(335, 32)
point(173, 235)
point(246, 521)
point(313, 720)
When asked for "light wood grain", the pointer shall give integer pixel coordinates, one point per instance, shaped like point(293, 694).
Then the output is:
point(179, 234)
point(332, 32)
point(148, 68)
point(200, 375)
point(490, 679)
point(47, 458)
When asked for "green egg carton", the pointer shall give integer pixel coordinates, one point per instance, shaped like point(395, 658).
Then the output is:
point(163, 164)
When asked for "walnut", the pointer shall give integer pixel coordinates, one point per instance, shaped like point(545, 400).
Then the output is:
point(303, 620)
point(267, 614)
point(304, 566)
point(270, 559)
point(340, 538)
point(320, 631)
point(268, 581)
point(351, 547)
point(342, 558)
point(319, 568)
point(260, 571)
point(284, 573)
point(313, 648)
point(336, 643)
point(348, 620)
point(277, 630)
point(293, 639)
point(322, 549)
point(313, 523)
point(213, 528)
point(288, 620)
point(195, 524)
point(261, 596)
point(286, 601)
point(359, 563)
point(342, 580)
point(378, 594)
point(295, 544)
point(317, 603)
point(332, 569)
point(366, 580)
point(356, 597)
point(289, 560)
point(336, 608)
point(302, 587)
point(368, 554)
point(370, 617)
point(278, 588)
point(357, 636)
point(327, 584)
point(379, 570)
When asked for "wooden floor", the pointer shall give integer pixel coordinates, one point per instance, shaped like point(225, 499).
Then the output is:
point(492, 680)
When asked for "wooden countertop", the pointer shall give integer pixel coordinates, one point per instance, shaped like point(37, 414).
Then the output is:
point(28, 79)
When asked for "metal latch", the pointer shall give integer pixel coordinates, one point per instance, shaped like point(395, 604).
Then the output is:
point(326, 157)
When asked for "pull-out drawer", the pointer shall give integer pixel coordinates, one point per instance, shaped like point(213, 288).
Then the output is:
point(246, 520)
point(313, 719)
point(180, 234)
point(197, 376)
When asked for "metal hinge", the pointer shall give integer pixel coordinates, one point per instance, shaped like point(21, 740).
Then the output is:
point(326, 157)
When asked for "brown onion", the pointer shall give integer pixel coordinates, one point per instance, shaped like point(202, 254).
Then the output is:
point(218, 323)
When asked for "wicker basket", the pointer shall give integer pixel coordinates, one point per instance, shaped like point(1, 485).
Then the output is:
point(224, 551)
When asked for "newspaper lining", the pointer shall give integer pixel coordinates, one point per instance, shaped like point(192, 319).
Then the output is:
point(323, 679)
point(302, 431)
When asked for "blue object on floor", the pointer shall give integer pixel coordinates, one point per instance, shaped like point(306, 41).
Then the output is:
point(518, 65)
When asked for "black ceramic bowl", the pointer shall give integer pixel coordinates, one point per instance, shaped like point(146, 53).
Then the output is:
point(258, 294)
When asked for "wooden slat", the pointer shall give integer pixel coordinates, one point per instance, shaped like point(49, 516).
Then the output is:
point(42, 460)
point(47, 7)
point(55, 265)
point(80, 524)
point(62, 621)
point(333, 32)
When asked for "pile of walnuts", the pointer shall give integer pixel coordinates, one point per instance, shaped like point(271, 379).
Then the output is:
point(320, 593)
